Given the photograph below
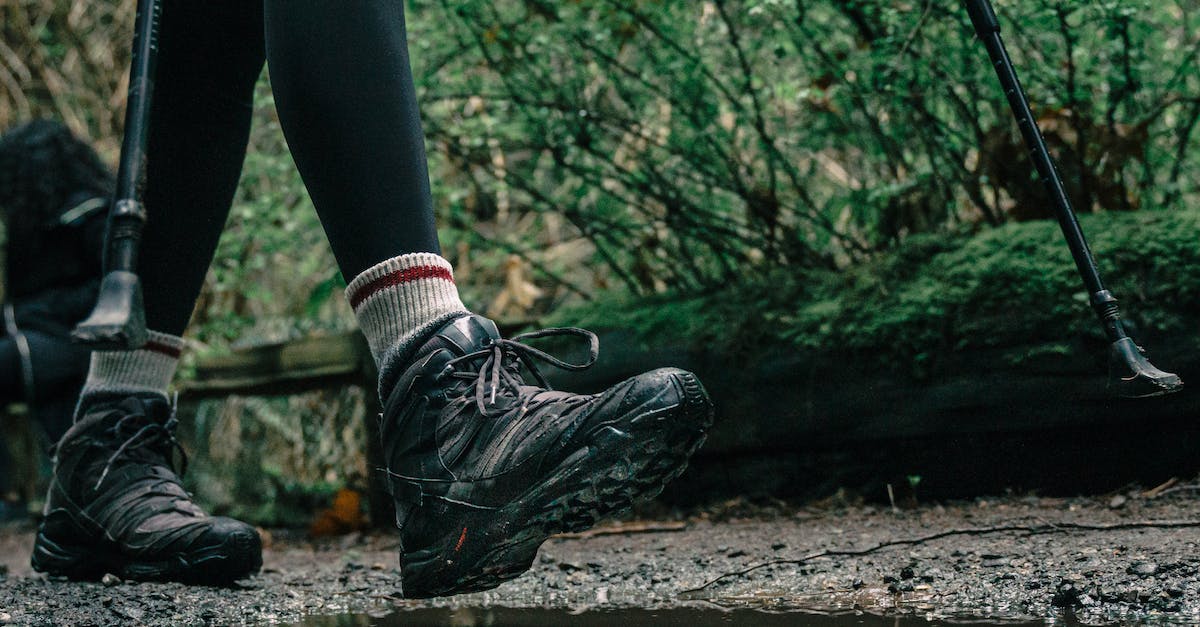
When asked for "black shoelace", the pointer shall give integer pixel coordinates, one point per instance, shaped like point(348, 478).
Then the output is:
point(140, 431)
point(503, 358)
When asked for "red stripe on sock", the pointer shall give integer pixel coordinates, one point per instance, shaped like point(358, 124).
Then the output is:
point(399, 277)
point(162, 349)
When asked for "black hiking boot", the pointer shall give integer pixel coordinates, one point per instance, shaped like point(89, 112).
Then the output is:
point(116, 506)
point(484, 467)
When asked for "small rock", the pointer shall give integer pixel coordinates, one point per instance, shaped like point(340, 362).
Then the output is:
point(1174, 593)
point(1142, 569)
point(109, 580)
point(5, 618)
point(778, 546)
point(1066, 596)
point(907, 573)
point(736, 553)
point(1118, 501)
point(567, 566)
point(132, 613)
point(858, 584)
point(889, 579)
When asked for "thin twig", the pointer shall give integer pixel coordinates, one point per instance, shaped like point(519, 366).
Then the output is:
point(972, 531)
point(1158, 489)
point(1180, 488)
point(628, 529)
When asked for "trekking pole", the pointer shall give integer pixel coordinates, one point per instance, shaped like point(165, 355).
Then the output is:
point(1130, 375)
point(118, 320)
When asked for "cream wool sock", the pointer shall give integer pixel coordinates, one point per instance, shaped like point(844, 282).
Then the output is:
point(399, 302)
point(147, 370)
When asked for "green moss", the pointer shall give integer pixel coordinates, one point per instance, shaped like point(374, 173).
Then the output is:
point(1011, 286)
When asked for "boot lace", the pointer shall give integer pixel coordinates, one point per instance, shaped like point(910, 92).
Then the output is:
point(142, 432)
point(500, 361)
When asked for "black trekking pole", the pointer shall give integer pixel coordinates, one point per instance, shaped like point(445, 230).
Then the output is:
point(1130, 375)
point(118, 320)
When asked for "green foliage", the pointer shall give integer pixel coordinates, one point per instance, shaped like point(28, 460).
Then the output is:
point(274, 461)
point(1012, 286)
point(682, 146)
point(694, 144)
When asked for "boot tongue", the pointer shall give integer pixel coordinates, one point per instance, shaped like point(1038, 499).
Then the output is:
point(464, 335)
point(131, 415)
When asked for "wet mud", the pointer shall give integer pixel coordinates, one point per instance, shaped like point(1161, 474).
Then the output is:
point(1118, 558)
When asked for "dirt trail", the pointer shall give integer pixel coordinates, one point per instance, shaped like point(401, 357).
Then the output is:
point(1100, 575)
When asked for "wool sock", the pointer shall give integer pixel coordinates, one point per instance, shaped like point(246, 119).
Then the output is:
point(145, 371)
point(398, 303)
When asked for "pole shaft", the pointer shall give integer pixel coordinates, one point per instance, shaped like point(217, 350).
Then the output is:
point(128, 214)
point(987, 27)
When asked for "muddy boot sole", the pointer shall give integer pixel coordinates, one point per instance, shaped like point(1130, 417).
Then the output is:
point(620, 465)
point(219, 562)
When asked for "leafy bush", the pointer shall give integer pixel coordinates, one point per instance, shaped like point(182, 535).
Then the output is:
point(1012, 286)
point(695, 144)
point(682, 146)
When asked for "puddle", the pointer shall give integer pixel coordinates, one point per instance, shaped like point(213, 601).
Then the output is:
point(682, 617)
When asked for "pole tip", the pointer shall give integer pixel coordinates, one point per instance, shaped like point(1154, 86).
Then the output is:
point(1131, 375)
point(119, 320)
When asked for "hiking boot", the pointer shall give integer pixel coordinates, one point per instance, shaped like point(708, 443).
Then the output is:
point(116, 506)
point(484, 467)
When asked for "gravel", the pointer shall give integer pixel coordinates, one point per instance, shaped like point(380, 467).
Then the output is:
point(1127, 574)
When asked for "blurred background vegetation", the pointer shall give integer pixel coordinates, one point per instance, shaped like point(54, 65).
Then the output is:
point(744, 171)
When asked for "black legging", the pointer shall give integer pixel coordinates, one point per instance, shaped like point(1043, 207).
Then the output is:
point(59, 368)
point(347, 104)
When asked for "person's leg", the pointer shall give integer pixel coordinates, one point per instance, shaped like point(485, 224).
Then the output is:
point(12, 389)
point(59, 368)
point(114, 468)
point(12, 382)
point(483, 468)
point(210, 57)
point(344, 89)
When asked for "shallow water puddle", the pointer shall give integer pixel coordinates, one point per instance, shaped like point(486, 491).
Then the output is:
point(683, 617)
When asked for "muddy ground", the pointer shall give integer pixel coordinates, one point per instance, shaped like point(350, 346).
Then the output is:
point(1134, 566)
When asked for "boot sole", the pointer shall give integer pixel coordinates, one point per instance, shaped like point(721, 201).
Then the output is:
point(237, 556)
point(617, 468)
